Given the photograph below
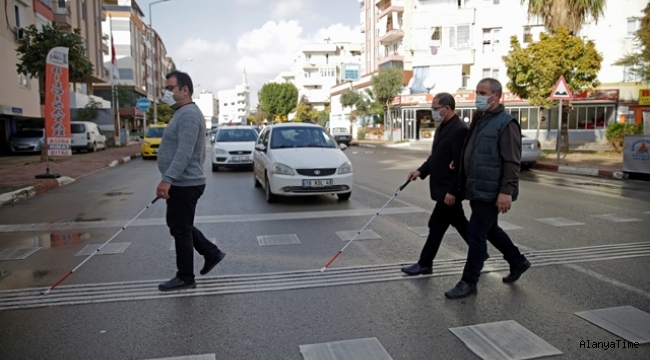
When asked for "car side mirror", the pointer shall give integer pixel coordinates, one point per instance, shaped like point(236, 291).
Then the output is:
point(343, 147)
point(261, 148)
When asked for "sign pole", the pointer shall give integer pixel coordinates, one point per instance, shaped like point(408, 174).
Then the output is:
point(559, 132)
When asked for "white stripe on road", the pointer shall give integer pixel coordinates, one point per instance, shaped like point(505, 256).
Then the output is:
point(303, 215)
point(301, 279)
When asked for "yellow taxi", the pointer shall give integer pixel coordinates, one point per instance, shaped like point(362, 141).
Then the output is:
point(151, 140)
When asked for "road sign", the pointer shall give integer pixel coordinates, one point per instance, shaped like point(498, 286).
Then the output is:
point(561, 90)
point(351, 72)
point(143, 104)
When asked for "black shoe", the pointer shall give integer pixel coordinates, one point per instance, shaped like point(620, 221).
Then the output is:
point(515, 272)
point(176, 284)
point(210, 263)
point(461, 290)
point(416, 269)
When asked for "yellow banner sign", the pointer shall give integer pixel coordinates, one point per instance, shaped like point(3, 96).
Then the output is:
point(644, 97)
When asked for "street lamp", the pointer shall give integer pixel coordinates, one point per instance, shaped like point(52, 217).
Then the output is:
point(153, 58)
point(184, 61)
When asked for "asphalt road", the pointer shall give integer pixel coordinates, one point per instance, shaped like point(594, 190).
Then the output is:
point(265, 302)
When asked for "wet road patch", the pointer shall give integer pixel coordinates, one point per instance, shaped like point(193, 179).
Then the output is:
point(109, 249)
point(358, 349)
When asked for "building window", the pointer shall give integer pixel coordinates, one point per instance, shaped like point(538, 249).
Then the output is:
point(126, 74)
point(455, 36)
point(633, 25)
point(436, 36)
point(528, 36)
point(82, 9)
point(493, 73)
point(494, 2)
point(23, 81)
point(491, 39)
point(17, 16)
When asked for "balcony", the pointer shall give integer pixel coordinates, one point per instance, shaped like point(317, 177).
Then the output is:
point(394, 57)
point(444, 16)
point(316, 96)
point(62, 14)
point(388, 6)
point(391, 36)
point(442, 57)
point(105, 48)
point(103, 15)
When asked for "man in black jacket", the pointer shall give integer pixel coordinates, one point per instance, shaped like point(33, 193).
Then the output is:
point(443, 183)
point(489, 177)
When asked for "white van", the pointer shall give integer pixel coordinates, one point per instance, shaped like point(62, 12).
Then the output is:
point(87, 136)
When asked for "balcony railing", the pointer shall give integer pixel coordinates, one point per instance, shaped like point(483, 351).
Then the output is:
point(62, 13)
point(47, 3)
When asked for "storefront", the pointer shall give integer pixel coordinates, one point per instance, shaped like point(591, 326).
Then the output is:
point(589, 116)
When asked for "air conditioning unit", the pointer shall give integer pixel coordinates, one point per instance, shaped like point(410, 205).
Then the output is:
point(19, 33)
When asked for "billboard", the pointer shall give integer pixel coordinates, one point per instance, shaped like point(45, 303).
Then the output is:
point(57, 103)
point(351, 72)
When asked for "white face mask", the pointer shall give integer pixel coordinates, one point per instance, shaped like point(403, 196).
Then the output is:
point(482, 103)
point(168, 98)
point(435, 114)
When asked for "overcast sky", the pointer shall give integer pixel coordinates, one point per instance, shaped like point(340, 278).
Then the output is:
point(224, 36)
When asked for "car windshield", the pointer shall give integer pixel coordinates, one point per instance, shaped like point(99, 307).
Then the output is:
point(29, 134)
point(301, 136)
point(236, 135)
point(155, 132)
point(339, 130)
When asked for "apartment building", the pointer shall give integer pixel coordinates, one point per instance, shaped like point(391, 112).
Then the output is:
point(449, 45)
point(19, 101)
point(234, 104)
point(209, 106)
point(140, 55)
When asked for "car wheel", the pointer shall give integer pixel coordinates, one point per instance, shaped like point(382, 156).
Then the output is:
point(526, 166)
point(270, 197)
point(344, 196)
point(94, 148)
point(215, 168)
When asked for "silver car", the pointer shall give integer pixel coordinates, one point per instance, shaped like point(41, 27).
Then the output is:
point(27, 141)
point(531, 152)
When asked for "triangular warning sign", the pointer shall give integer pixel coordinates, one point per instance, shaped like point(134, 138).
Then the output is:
point(561, 90)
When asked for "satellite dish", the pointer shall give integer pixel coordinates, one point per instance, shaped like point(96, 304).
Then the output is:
point(429, 83)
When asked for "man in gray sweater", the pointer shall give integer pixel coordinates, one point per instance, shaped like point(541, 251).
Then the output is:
point(180, 160)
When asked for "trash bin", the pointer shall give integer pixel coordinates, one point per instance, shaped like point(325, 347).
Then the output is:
point(124, 137)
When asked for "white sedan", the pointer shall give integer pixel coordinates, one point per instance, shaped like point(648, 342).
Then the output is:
point(294, 159)
point(233, 147)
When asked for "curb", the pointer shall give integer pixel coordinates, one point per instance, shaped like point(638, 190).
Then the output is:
point(49, 184)
point(575, 170)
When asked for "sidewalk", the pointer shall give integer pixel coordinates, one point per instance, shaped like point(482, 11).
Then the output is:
point(17, 173)
point(599, 163)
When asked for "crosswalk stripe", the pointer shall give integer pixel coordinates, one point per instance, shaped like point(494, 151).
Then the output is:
point(300, 279)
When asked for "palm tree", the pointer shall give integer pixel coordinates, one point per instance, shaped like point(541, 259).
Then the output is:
point(570, 14)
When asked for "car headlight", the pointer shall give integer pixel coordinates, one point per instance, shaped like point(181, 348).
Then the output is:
point(220, 151)
point(345, 168)
point(145, 143)
point(282, 169)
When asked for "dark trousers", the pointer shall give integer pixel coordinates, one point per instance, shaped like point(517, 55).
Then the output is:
point(483, 225)
point(181, 207)
point(441, 217)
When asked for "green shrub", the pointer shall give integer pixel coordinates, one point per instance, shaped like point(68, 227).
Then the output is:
point(616, 132)
point(361, 135)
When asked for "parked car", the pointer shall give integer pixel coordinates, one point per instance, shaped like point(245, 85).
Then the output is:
point(151, 140)
point(87, 136)
point(342, 135)
point(27, 141)
point(293, 159)
point(531, 152)
point(233, 147)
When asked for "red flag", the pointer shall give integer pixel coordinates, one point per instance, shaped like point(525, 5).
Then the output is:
point(116, 71)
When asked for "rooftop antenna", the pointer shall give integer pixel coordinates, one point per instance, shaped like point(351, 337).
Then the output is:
point(327, 40)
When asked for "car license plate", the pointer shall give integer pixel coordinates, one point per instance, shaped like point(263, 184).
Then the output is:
point(528, 146)
point(240, 158)
point(317, 183)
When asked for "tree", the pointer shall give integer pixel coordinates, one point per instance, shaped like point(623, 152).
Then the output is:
point(90, 111)
point(565, 14)
point(35, 45)
point(534, 70)
point(639, 61)
point(570, 14)
point(165, 113)
point(385, 86)
point(278, 99)
point(125, 95)
point(303, 112)
point(350, 98)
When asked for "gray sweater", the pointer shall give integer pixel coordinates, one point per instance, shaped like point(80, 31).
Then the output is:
point(182, 150)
